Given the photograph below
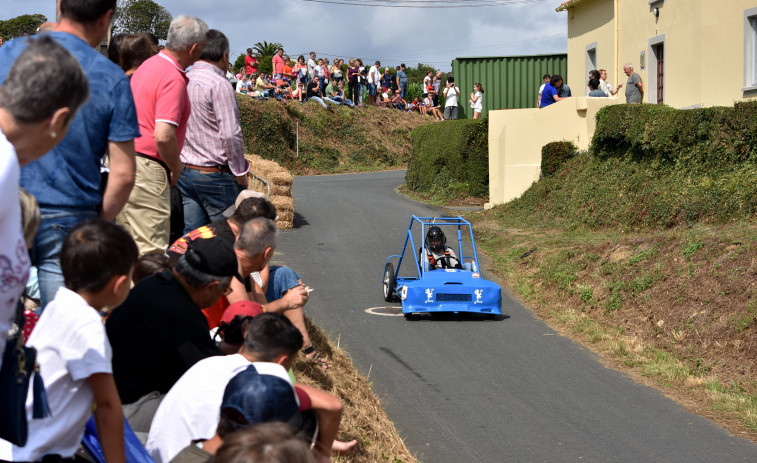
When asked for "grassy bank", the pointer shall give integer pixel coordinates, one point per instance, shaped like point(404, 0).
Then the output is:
point(651, 264)
point(342, 140)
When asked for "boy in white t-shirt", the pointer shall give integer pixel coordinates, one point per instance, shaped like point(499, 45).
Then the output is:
point(97, 260)
point(451, 92)
point(546, 80)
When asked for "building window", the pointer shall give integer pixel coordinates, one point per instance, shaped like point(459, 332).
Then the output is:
point(750, 49)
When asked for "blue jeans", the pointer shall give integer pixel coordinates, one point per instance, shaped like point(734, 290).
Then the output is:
point(55, 223)
point(319, 100)
point(280, 280)
point(372, 89)
point(403, 89)
point(360, 90)
point(206, 196)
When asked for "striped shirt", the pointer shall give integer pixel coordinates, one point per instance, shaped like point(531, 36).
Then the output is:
point(214, 136)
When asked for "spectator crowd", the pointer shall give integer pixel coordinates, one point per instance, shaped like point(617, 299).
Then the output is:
point(554, 89)
point(176, 335)
point(354, 85)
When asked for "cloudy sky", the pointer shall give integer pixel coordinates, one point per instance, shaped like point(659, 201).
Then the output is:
point(432, 36)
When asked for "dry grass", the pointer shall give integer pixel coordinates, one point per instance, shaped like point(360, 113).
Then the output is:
point(364, 419)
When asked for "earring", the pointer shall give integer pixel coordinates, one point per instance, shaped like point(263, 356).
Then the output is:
point(53, 134)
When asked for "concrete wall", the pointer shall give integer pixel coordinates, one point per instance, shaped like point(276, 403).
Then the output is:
point(704, 47)
point(516, 137)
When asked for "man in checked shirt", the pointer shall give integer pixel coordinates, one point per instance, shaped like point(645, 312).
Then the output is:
point(214, 168)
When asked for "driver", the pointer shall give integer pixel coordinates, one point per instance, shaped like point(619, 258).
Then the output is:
point(437, 254)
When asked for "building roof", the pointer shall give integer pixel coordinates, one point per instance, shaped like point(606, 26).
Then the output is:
point(512, 56)
point(567, 4)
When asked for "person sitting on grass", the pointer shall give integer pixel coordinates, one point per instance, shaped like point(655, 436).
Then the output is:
point(191, 408)
point(314, 92)
point(159, 331)
point(74, 355)
point(398, 102)
point(431, 108)
point(263, 443)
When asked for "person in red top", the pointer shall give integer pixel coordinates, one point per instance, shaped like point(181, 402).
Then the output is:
point(287, 68)
point(159, 87)
point(250, 63)
point(278, 64)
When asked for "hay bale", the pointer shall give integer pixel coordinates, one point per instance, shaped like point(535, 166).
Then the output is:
point(285, 216)
point(281, 190)
point(280, 178)
point(280, 183)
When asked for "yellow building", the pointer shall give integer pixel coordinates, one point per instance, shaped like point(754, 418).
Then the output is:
point(688, 53)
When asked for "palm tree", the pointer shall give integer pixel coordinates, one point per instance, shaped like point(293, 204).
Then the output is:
point(266, 49)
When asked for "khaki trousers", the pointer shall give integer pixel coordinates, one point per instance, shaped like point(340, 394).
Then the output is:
point(147, 213)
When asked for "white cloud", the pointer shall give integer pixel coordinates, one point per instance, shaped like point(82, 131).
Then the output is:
point(392, 35)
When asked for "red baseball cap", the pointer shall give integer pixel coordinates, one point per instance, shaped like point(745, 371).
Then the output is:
point(243, 309)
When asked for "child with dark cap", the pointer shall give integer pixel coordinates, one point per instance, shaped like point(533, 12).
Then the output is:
point(97, 259)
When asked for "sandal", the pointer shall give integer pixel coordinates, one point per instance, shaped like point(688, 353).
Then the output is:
point(314, 356)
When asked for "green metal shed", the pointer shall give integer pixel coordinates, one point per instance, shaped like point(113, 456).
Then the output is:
point(509, 82)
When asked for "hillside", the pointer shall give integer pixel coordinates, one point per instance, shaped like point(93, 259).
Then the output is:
point(342, 140)
point(645, 249)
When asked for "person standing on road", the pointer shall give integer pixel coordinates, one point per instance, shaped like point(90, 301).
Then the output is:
point(451, 92)
point(66, 182)
point(214, 167)
point(160, 93)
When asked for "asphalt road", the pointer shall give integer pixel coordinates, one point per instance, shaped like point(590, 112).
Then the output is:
point(464, 389)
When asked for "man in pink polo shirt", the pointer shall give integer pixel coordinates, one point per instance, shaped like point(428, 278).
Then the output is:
point(160, 94)
point(278, 64)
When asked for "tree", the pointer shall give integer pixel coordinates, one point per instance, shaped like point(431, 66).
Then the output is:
point(239, 63)
point(142, 16)
point(265, 49)
point(20, 25)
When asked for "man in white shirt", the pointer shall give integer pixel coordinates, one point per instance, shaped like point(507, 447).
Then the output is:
point(311, 66)
point(374, 77)
point(191, 409)
point(451, 92)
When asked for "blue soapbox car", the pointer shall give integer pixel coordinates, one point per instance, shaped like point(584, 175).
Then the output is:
point(445, 290)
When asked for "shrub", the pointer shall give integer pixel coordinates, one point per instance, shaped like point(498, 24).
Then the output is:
point(450, 158)
point(706, 137)
point(554, 154)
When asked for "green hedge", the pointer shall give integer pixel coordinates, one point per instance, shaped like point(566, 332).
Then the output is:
point(450, 158)
point(554, 155)
point(716, 136)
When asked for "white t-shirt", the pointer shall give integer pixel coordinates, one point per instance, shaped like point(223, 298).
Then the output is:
point(373, 75)
point(311, 68)
point(477, 105)
point(14, 259)
point(451, 94)
point(71, 346)
point(192, 407)
point(426, 83)
point(605, 87)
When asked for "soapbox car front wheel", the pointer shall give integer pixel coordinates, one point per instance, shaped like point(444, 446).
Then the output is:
point(389, 283)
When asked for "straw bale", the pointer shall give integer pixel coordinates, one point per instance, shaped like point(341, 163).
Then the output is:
point(282, 203)
point(281, 190)
point(284, 225)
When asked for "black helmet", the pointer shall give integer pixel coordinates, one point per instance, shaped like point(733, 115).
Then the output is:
point(435, 239)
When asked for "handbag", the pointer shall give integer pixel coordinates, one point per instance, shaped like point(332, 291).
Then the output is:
point(19, 367)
